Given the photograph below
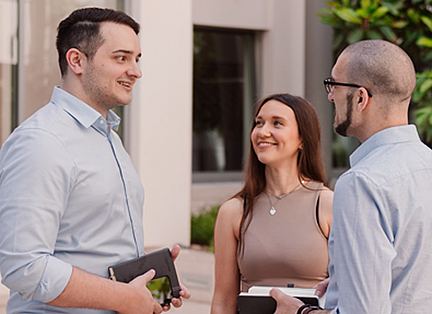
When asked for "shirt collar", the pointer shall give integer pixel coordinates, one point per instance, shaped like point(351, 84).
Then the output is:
point(387, 136)
point(83, 113)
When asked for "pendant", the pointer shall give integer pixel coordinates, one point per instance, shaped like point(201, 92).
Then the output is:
point(272, 211)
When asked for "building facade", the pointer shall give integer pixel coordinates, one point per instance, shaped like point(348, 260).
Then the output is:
point(204, 64)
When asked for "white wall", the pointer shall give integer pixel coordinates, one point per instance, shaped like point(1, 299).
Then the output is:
point(243, 14)
point(160, 117)
point(283, 50)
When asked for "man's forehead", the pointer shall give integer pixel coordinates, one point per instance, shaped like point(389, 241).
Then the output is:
point(338, 68)
point(120, 38)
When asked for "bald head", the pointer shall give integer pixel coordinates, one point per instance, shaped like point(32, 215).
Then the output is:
point(384, 68)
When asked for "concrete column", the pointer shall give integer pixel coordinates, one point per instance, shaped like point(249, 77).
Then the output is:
point(159, 138)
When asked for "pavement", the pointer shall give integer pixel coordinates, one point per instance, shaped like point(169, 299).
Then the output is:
point(195, 268)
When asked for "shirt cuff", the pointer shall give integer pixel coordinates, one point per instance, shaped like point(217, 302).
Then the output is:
point(54, 280)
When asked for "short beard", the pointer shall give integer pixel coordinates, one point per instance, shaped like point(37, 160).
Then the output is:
point(342, 128)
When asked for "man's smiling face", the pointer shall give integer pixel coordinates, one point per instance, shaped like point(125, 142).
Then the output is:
point(109, 76)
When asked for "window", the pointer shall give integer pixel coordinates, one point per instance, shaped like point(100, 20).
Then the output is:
point(223, 96)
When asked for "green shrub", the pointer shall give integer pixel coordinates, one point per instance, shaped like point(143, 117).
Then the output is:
point(202, 226)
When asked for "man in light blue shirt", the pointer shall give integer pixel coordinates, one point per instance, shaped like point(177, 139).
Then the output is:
point(70, 200)
point(380, 252)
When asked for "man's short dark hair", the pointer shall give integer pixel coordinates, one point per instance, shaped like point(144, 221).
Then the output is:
point(81, 30)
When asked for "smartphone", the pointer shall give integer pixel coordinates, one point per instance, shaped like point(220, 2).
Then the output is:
point(160, 289)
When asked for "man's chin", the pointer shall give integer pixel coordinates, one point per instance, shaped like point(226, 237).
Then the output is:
point(124, 101)
point(342, 129)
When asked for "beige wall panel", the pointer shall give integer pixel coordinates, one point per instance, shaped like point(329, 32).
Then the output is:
point(283, 50)
point(160, 117)
point(246, 14)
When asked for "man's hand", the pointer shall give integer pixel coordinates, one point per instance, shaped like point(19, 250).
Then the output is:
point(285, 303)
point(147, 304)
point(184, 293)
point(175, 251)
point(321, 288)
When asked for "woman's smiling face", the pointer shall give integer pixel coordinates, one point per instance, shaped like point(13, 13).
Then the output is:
point(275, 137)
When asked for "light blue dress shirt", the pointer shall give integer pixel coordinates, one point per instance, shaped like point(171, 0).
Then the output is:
point(69, 196)
point(380, 241)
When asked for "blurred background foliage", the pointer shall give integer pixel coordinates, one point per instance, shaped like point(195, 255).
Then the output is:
point(202, 226)
point(407, 23)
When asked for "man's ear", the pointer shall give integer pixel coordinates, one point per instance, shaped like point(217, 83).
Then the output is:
point(75, 60)
point(363, 99)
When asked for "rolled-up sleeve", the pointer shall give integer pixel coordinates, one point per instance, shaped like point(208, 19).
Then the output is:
point(36, 177)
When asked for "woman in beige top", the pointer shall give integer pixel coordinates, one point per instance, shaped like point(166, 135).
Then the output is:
point(274, 231)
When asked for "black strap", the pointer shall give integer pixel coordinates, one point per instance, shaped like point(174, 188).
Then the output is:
point(301, 308)
point(317, 214)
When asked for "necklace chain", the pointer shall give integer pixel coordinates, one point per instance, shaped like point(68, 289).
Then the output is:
point(272, 210)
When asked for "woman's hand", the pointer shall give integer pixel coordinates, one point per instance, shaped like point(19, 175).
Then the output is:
point(321, 288)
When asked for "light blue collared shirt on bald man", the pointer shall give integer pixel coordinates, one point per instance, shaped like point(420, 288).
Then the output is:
point(380, 241)
point(69, 196)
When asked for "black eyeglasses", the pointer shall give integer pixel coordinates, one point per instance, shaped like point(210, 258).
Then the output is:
point(329, 83)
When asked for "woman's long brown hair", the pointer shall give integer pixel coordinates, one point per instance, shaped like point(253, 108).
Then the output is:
point(309, 162)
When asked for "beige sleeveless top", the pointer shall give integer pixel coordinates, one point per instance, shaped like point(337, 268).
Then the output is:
point(288, 247)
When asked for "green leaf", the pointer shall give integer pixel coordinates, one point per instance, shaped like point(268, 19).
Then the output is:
point(381, 11)
point(425, 111)
point(362, 13)
point(393, 7)
point(422, 116)
point(328, 20)
point(420, 121)
point(414, 15)
point(388, 33)
point(379, 23)
point(349, 15)
point(425, 42)
point(386, 20)
point(412, 36)
point(426, 86)
point(371, 34)
point(400, 24)
point(365, 3)
point(416, 97)
point(325, 13)
point(427, 21)
point(430, 121)
point(355, 36)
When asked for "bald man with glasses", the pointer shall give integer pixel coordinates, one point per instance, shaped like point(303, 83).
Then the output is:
point(380, 255)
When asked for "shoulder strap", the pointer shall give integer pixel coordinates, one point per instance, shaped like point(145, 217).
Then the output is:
point(317, 213)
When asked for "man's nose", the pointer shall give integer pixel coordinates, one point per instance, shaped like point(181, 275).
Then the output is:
point(135, 71)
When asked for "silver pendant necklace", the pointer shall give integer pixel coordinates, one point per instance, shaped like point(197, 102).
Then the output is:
point(272, 210)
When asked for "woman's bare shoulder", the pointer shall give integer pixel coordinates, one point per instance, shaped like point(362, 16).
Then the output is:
point(232, 208)
point(229, 218)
